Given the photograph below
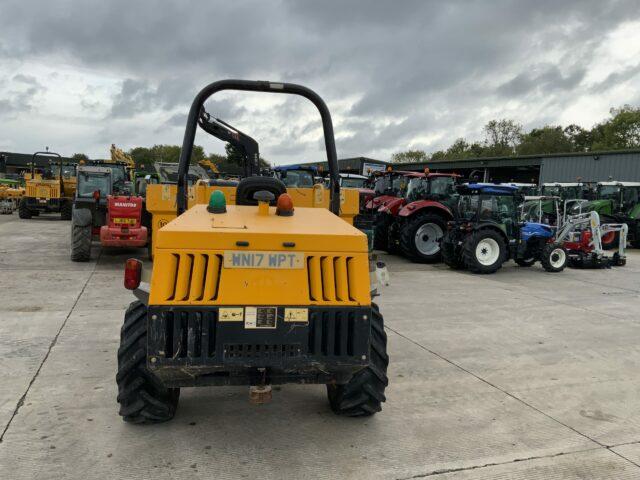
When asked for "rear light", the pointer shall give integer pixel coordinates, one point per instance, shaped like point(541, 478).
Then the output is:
point(96, 195)
point(132, 273)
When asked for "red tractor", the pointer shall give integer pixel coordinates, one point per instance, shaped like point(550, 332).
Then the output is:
point(416, 223)
point(104, 207)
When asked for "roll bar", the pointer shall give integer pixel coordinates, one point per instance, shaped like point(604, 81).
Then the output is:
point(257, 86)
point(48, 154)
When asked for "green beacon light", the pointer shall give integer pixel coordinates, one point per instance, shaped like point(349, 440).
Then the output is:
point(217, 202)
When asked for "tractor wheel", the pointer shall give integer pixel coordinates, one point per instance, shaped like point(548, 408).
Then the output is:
point(450, 256)
point(80, 243)
point(420, 238)
point(554, 258)
point(23, 210)
point(141, 395)
point(65, 211)
point(525, 262)
point(484, 251)
point(364, 393)
point(381, 232)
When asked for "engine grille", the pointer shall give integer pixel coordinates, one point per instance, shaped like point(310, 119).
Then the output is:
point(331, 278)
point(192, 277)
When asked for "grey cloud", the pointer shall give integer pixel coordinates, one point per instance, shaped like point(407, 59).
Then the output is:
point(543, 78)
point(414, 68)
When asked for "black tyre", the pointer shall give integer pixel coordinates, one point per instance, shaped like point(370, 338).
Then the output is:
point(525, 262)
point(451, 255)
point(381, 232)
point(65, 211)
point(141, 395)
point(420, 238)
point(23, 210)
point(363, 395)
point(484, 251)
point(554, 258)
point(80, 243)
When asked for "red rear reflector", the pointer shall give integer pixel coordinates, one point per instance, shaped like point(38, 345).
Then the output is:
point(132, 273)
point(96, 195)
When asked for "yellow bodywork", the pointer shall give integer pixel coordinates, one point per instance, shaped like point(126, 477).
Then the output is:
point(161, 201)
point(192, 264)
point(50, 189)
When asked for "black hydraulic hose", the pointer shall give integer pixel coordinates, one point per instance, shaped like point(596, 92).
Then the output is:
point(257, 86)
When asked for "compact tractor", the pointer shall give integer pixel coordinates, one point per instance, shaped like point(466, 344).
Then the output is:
point(51, 191)
point(105, 207)
point(487, 231)
point(582, 236)
point(259, 293)
point(417, 222)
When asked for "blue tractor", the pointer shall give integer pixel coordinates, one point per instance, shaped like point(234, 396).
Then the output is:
point(487, 231)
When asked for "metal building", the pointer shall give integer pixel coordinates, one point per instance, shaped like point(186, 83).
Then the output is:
point(621, 165)
point(359, 165)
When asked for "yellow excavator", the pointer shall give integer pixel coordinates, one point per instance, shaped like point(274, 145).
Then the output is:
point(118, 156)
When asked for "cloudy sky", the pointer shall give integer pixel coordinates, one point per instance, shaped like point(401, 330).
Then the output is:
point(78, 75)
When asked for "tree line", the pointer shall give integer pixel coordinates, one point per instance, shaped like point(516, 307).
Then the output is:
point(505, 138)
point(145, 157)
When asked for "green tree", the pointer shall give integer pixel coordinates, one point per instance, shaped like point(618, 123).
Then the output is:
point(580, 138)
point(409, 156)
point(548, 139)
point(619, 132)
point(80, 156)
point(501, 137)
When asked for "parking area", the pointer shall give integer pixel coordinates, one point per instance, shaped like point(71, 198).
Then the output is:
point(521, 374)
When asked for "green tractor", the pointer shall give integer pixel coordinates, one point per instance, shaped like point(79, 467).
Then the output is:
point(616, 202)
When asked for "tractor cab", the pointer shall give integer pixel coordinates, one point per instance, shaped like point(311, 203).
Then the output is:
point(619, 198)
point(258, 293)
point(296, 176)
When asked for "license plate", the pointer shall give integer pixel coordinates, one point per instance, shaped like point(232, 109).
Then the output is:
point(42, 200)
point(125, 221)
point(277, 260)
point(260, 317)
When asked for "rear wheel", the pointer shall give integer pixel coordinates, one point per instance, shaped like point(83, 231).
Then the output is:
point(364, 393)
point(420, 238)
point(23, 210)
point(80, 243)
point(554, 258)
point(141, 395)
point(484, 251)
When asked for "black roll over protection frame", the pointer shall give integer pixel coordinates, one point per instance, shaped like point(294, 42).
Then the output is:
point(257, 86)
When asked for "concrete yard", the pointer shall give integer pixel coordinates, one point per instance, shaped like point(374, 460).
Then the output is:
point(521, 374)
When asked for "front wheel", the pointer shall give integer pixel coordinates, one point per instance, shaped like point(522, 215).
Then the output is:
point(141, 395)
point(23, 210)
point(80, 243)
point(420, 238)
point(554, 258)
point(484, 251)
point(363, 395)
